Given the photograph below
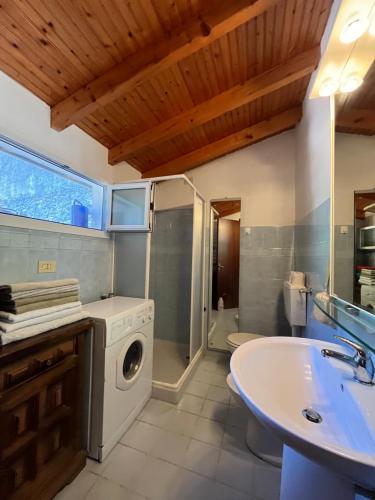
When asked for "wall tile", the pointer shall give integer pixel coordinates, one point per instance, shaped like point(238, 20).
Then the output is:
point(266, 259)
point(22, 249)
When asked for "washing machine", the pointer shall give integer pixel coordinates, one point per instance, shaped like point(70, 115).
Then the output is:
point(121, 373)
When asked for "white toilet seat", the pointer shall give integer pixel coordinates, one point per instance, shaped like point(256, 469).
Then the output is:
point(236, 339)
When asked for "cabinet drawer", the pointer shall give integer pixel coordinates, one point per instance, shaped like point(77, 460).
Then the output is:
point(22, 420)
point(35, 364)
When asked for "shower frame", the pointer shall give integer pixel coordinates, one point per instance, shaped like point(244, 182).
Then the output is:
point(165, 390)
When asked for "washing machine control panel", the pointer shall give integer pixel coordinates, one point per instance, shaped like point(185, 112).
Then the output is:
point(124, 325)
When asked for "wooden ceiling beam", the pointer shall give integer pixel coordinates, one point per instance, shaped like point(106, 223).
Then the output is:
point(358, 120)
point(143, 65)
point(267, 128)
point(259, 86)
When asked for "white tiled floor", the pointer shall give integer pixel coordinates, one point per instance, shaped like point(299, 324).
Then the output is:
point(193, 451)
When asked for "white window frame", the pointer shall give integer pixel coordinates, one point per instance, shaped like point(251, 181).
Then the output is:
point(146, 226)
point(25, 222)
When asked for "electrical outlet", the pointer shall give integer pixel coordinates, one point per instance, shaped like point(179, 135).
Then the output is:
point(46, 266)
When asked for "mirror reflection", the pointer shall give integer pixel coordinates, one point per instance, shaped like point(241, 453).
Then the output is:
point(354, 195)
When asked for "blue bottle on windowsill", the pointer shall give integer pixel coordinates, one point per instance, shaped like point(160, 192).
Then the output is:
point(80, 214)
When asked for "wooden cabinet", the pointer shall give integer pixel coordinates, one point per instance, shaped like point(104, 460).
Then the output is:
point(42, 401)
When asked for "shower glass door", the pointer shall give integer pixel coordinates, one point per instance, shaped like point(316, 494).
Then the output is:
point(197, 277)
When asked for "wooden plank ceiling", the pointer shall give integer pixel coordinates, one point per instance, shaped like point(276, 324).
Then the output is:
point(355, 113)
point(227, 207)
point(166, 85)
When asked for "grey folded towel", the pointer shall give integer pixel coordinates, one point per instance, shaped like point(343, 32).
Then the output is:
point(31, 285)
point(6, 295)
point(31, 300)
point(39, 305)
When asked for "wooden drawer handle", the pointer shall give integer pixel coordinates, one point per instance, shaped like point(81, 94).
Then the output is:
point(15, 377)
point(42, 364)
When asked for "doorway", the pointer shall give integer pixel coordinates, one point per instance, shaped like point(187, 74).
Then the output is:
point(225, 267)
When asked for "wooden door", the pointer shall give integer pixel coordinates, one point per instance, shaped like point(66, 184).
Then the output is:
point(228, 262)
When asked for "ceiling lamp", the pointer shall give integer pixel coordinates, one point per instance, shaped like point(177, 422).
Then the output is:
point(353, 30)
point(351, 83)
point(328, 87)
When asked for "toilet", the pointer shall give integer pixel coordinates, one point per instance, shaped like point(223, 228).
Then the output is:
point(236, 339)
point(259, 440)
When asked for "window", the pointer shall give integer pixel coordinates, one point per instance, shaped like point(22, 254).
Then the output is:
point(33, 186)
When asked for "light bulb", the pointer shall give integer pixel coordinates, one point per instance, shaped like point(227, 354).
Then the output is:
point(328, 87)
point(353, 30)
point(350, 83)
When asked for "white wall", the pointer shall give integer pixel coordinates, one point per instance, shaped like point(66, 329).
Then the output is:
point(313, 156)
point(261, 175)
point(26, 119)
point(354, 170)
point(172, 194)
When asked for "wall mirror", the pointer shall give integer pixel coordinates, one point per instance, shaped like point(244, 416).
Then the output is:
point(354, 196)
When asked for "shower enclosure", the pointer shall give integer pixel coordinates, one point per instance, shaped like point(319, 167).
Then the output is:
point(165, 264)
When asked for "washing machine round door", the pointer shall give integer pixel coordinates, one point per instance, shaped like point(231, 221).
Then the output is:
point(130, 361)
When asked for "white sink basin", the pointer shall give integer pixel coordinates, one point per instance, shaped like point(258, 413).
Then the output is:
point(279, 377)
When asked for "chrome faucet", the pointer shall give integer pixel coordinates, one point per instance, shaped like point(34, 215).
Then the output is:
point(361, 362)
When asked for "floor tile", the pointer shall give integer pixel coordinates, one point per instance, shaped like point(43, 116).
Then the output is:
point(208, 431)
point(202, 458)
point(197, 389)
point(219, 394)
point(238, 416)
point(96, 467)
point(204, 376)
point(191, 404)
point(154, 479)
point(219, 379)
point(214, 411)
point(171, 447)
point(78, 488)
point(223, 492)
point(188, 485)
point(234, 439)
point(142, 436)
point(266, 482)
point(208, 365)
point(156, 412)
point(124, 465)
point(236, 470)
point(181, 422)
point(103, 489)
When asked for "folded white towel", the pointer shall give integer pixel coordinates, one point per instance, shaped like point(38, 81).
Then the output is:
point(16, 318)
point(366, 281)
point(11, 327)
point(31, 331)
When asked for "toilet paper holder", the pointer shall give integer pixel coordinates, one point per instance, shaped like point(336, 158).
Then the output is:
point(307, 291)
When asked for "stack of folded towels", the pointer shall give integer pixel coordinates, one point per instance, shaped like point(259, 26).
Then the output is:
point(367, 281)
point(27, 309)
point(367, 277)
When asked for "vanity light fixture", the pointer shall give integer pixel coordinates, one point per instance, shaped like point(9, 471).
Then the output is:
point(328, 87)
point(351, 83)
point(353, 30)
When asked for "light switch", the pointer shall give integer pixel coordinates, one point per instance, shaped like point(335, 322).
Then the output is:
point(46, 266)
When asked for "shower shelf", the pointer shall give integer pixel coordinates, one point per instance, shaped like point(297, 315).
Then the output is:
point(357, 322)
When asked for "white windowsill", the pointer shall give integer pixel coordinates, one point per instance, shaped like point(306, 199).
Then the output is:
point(41, 225)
